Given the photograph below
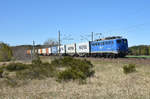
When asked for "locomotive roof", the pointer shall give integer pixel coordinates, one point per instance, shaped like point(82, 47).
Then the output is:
point(109, 38)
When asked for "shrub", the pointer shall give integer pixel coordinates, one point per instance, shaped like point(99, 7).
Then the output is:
point(129, 68)
point(16, 66)
point(71, 74)
point(37, 71)
point(76, 69)
point(63, 62)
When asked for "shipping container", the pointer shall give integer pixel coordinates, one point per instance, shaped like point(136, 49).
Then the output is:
point(40, 51)
point(71, 49)
point(62, 49)
point(28, 52)
point(54, 50)
point(44, 51)
point(36, 50)
point(49, 51)
point(83, 47)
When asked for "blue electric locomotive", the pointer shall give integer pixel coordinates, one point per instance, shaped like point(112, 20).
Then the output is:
point(109, 47)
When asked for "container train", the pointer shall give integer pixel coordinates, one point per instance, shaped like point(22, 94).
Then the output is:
point(110, 47)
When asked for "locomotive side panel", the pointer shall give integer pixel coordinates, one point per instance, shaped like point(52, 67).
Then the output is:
point(107, 46)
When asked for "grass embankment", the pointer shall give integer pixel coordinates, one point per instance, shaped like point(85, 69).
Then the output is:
point(109, 82)
point(140, 56)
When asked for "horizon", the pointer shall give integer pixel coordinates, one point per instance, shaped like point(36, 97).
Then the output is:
point(21, 22)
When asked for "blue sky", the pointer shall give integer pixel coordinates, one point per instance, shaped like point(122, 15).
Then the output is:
point(22, 21)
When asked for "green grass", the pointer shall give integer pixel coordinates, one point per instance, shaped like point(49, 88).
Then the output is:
point(141, 56)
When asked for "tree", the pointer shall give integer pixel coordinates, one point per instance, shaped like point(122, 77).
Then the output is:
point(51, 42)
point(5, 52)
point(140, 50)
point(147, 51)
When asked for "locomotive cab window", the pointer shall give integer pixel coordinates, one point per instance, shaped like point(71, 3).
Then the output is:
point(118, 41)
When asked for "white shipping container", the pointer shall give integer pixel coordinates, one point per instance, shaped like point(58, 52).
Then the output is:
point(71, 48)
point(39, 51)
point(62, 49)
point(83, 47)
point(49, 50)
point(36, 50)
point(44, 51)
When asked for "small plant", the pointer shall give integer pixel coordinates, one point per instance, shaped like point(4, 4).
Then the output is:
point(129, 68)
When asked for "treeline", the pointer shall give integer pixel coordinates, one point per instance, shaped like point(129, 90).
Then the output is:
point(20, 52)
point(5, 52)
point(139, 50)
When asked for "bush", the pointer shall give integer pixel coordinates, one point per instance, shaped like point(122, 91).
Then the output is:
point(37, 71)
point(63, 62)
point(129, 68)
point(76, 69)
point(71, 74)
point(16, 66)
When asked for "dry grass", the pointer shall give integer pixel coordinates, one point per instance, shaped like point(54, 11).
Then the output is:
point(109, 82)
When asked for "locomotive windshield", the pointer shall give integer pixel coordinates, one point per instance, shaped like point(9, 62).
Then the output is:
point(118, 41)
